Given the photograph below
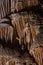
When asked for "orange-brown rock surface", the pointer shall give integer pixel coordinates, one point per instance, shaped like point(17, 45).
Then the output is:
point(21, 32)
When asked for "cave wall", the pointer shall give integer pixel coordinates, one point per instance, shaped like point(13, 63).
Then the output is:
point(21, 32)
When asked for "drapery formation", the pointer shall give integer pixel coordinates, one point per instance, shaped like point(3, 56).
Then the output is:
point(8, 6)
point(5, 8)
point(21, 32)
